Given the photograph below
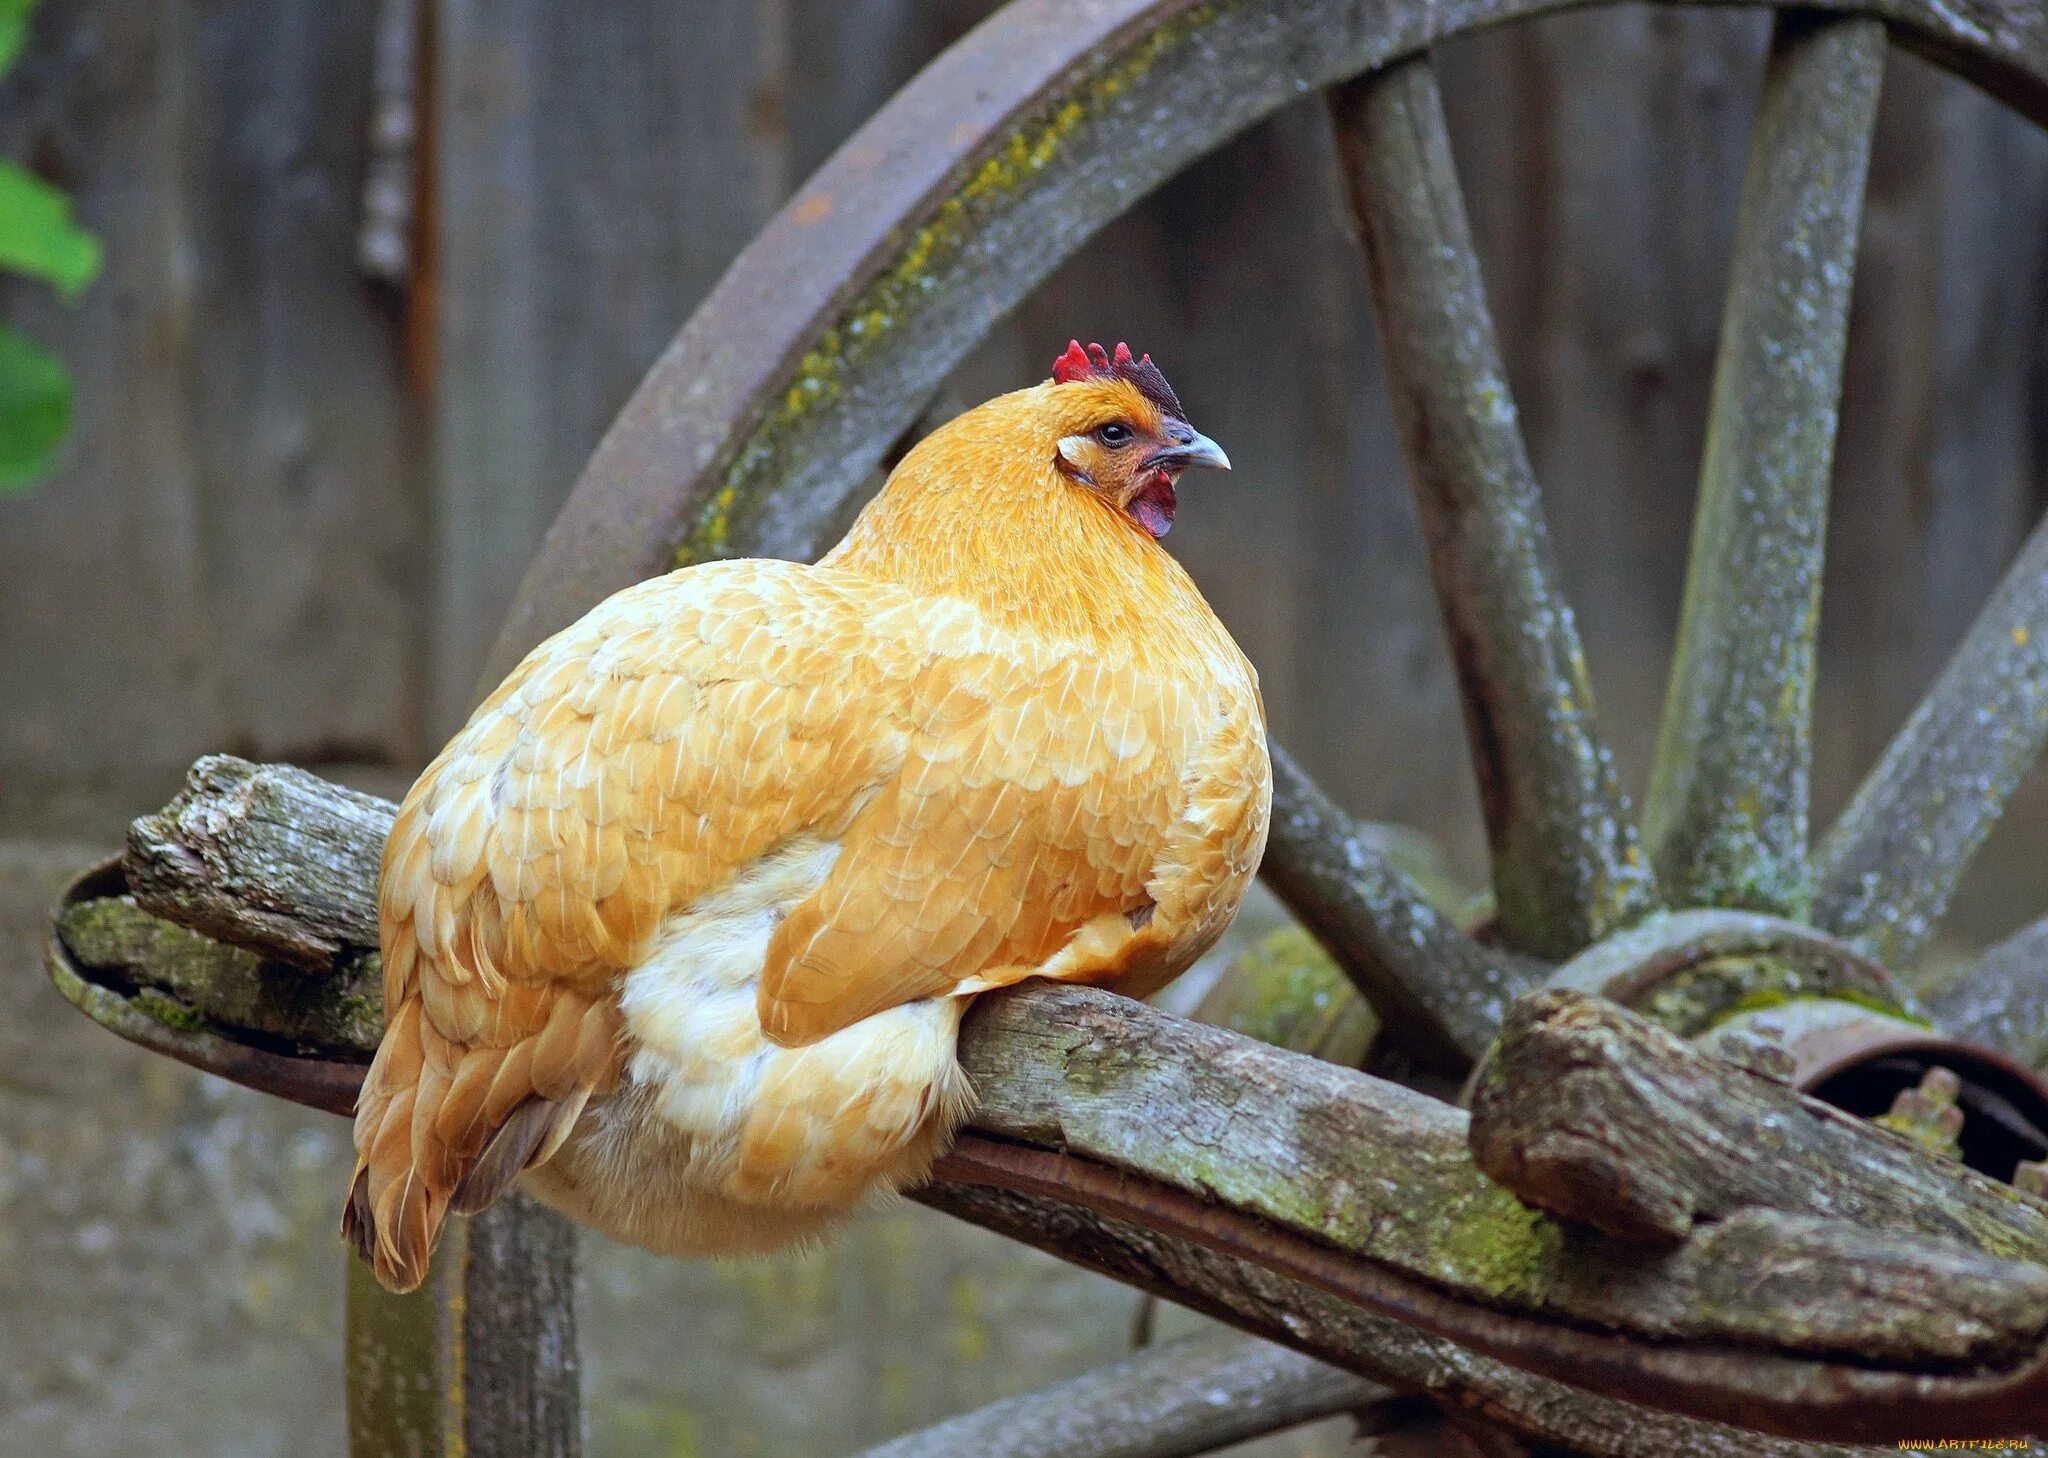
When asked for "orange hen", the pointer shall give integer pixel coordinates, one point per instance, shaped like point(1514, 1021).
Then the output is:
point(681, 926)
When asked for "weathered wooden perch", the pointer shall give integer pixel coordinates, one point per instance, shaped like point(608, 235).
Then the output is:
point(1368, 1166)
point(1603, 1117)
point(1333, 1183)
point(260, 857)
point(1258, 1300)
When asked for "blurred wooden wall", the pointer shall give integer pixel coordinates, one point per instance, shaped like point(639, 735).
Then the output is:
point(298, 500)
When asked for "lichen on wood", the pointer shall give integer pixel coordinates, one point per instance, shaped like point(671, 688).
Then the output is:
point(1364, 1188)
point(1692, 971)
point(227, 986)
point(1376, 1169)
point(1299, 1316)
point(1288, 992)
point(1726, 820)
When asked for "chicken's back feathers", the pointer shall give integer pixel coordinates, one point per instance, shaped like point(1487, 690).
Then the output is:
point(1000, 799)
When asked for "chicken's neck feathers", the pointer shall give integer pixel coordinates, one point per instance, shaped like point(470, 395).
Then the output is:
point(985, 521)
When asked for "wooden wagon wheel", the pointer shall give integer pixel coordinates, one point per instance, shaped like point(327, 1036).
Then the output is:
point(825, 340)
point(830, 333)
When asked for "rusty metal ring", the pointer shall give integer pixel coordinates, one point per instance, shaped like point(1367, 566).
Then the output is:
point(1629, 965)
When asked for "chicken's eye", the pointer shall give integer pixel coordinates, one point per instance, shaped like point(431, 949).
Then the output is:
point(1114, 434)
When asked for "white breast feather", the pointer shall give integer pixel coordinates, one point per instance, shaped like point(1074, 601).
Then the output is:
point(841, 1106)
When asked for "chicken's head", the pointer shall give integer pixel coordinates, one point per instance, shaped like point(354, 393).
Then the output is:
point(1122, 432)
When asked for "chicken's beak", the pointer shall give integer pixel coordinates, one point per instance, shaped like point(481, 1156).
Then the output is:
point(1189, 448)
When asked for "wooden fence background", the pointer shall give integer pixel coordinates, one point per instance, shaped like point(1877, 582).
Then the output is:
point(297, 502)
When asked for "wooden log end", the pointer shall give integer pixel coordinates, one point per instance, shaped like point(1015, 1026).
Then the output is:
point(266, 857)
point(1570, 1167)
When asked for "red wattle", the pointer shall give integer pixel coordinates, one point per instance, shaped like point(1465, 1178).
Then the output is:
point(1152, 508)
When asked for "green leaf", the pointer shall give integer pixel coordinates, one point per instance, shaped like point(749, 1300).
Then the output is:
point(35, 411)
point(37, 235)
point(14, 16)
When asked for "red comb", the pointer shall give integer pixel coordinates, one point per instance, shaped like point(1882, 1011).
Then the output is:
point(1073, 365)
point(1095, 362)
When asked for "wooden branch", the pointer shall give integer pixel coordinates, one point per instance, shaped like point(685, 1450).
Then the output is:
point(1177, 1400)
point(265, 857)
point(1566, 866)
point(1370, 1167)
point(1726, 820)
point(1443, 991)
point(1361, 1188)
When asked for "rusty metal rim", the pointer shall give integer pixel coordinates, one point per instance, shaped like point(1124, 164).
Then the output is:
point(1628, 965)
point(1819, 1400)
point(2012, 1096)
point(1938, 1048)
point(320, 1083)
point(666, 457)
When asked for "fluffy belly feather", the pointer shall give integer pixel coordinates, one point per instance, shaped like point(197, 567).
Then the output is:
point(720, 1140)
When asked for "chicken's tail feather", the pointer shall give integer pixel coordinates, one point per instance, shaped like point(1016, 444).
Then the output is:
point(533, 1132)
point(442, 1129)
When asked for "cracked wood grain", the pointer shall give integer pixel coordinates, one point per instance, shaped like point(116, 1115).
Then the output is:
point(1364, 1188)
point(1601, 1116)
point(1305, 1319)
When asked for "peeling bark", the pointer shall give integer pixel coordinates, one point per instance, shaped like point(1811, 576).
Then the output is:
point(1339, 1185)
point(1603, 1117)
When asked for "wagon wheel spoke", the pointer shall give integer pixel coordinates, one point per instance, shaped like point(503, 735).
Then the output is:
point(1441, 990)
point(1566, 865)
point(1884, 874)
point(1726, 819)
point(1194, 1395)
point(2001, 999)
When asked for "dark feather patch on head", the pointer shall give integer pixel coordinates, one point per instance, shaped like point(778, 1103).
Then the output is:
point(1095, 362)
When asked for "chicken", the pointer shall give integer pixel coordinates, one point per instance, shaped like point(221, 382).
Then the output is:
point(681, 926)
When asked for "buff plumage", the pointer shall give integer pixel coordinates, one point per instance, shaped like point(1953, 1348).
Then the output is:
point(681, 924)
